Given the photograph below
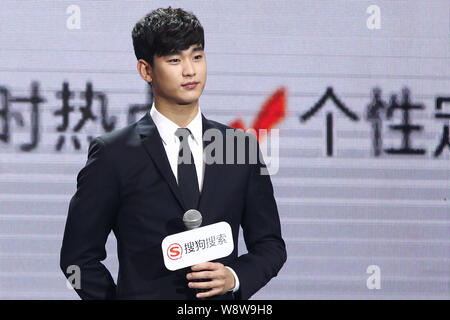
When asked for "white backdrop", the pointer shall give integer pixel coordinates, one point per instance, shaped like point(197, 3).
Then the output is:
point(358, 225)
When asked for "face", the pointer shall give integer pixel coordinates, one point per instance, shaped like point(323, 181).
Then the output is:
point(170, 74)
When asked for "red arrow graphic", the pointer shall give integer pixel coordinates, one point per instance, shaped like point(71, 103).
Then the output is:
point(272, 112)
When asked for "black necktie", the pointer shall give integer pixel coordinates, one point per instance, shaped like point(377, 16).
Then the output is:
point(187, 175)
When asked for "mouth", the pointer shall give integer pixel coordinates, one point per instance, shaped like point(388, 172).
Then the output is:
point(190, 85)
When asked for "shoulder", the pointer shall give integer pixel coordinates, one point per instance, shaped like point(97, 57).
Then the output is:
point(117, 136)
point(118, 142)
point(237, 146)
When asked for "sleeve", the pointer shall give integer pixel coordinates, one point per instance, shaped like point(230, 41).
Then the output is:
point(236, 280)
point(262, 234)
point(89, 221)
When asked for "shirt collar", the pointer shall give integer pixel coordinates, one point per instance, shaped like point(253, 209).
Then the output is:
point(167, 127)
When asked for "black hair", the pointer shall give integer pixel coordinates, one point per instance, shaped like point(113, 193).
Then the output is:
point(166, 31)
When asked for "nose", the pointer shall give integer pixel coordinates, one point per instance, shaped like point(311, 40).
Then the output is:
point(188, 69)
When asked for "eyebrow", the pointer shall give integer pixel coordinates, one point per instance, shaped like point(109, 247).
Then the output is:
point(177, 52)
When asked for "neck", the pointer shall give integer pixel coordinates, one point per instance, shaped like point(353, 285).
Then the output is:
point(182, 115)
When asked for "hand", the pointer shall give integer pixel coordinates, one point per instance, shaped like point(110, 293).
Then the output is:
point(221, 279)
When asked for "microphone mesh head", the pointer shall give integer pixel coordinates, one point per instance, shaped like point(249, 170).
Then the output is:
point(192, 219)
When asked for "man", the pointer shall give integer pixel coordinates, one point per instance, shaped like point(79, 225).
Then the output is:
point(135, 184)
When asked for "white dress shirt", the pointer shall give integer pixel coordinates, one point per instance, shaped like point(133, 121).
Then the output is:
point(171, 142)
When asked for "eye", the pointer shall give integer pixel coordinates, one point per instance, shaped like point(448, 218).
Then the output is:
point(173, 60)
point(199, 56)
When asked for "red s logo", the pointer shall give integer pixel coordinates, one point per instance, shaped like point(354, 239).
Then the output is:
point(174, 251)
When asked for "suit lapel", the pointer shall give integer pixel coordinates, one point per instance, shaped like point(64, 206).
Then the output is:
point(211, 173)
point(152, 143)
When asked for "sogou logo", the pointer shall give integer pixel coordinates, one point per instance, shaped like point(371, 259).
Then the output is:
point(174, 251)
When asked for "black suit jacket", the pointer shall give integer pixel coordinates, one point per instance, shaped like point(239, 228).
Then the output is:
point(127, 186)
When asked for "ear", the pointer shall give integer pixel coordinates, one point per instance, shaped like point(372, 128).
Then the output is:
point(145, 70)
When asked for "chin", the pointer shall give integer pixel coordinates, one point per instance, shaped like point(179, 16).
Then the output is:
point(186, 102)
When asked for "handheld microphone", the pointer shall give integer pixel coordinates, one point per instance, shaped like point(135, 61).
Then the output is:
point(192, 219)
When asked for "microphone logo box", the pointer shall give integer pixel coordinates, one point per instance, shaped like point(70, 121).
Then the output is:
point(198, 245)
